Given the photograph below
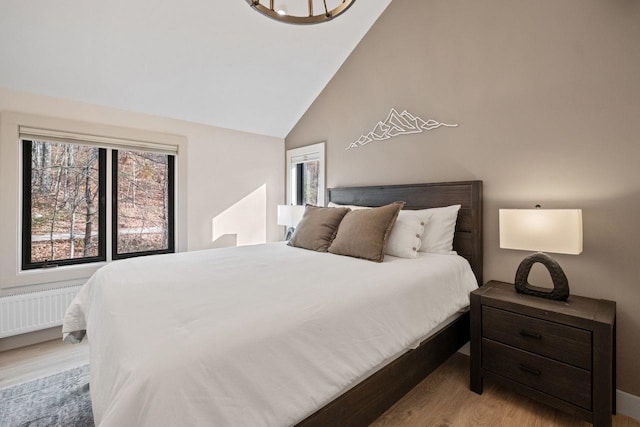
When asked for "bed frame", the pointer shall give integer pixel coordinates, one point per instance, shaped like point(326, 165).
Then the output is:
point(365, 402)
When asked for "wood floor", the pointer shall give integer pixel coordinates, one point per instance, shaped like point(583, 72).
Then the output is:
point(441, 400)
point(40, 360)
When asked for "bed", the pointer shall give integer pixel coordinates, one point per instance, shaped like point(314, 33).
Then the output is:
point(163, 362)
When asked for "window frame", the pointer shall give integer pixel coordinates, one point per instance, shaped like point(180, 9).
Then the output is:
point(298, 156)
point(114, 211)
point(107, 173)
point(26, 220)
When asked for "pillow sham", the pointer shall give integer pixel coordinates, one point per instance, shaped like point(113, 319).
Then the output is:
point(317, 228)
point(406, 237)
point(364, 233)
point(439, 229)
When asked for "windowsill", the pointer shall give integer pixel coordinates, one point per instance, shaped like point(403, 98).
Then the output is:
point(71, 268)
point(46, 278)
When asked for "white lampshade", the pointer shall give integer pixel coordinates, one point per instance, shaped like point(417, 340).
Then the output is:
point(544, 230)
point(290, 215)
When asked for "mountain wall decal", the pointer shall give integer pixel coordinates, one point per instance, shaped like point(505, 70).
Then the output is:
point(397, 124)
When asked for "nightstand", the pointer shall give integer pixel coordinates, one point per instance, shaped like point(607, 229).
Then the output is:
point(561, 353)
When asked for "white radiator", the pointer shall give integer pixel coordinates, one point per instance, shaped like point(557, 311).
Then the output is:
point(34, 311)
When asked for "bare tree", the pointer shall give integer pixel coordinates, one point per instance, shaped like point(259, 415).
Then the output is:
point(71, 170)
point(90, 209)
point(54, 213)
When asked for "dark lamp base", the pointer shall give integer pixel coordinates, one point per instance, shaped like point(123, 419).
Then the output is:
point(560, 289)
point(290, 231)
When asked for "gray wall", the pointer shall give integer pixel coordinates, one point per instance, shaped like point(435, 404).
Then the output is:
point(547, 94)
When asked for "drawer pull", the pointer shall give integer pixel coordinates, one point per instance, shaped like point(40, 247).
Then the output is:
point(529, 370)
point(530, 334)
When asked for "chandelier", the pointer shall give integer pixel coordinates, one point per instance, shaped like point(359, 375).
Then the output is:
point(283, 10)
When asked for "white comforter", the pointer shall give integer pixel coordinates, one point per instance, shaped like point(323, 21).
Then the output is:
point(253, 336)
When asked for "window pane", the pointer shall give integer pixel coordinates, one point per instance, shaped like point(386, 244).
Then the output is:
point(310, 182)
point(64, 201)
point(143, 202)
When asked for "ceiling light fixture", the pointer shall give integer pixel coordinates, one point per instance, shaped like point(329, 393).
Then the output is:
point(267, 8)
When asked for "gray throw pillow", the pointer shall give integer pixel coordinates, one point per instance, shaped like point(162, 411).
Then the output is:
point(317, 228)
point(364, 233)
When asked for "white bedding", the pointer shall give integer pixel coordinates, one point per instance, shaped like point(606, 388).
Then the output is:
point(254, 336)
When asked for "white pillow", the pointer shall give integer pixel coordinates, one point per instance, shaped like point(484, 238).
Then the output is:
point(352, 207)
point(405, 238)
point(439, 229)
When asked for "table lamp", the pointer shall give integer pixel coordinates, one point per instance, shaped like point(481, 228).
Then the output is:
point(543, 230)
point(290, 216)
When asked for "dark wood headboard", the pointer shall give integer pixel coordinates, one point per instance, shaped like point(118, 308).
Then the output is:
point(468, 194)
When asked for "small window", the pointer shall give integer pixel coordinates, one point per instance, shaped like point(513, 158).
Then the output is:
point(305, 175)
point(307, 182)
point(143, 203)
point(63, 216)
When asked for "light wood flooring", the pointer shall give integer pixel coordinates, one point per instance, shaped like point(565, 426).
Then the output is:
point(40, 360)
point(441, 400)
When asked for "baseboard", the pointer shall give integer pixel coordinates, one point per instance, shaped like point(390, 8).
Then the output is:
point(628, 404)
point(24, 340)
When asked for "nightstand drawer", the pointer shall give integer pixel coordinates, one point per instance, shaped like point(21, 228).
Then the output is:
point(560, 342)
point(557, 379)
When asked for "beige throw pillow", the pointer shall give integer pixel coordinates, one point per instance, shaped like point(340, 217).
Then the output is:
point(317, 228)
point(364, 233)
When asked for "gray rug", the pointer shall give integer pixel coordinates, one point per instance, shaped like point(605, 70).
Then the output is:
point(60, 400)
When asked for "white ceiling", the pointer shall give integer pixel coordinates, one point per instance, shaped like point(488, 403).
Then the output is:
point(216, 62)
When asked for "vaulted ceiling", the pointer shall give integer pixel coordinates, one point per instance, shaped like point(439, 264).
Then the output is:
point(216, 62)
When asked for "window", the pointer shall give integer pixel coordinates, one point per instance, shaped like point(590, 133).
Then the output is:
point(63, 217)
point(142, 203)
point(64, 210)
point(305, 175)
point(307, 182)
